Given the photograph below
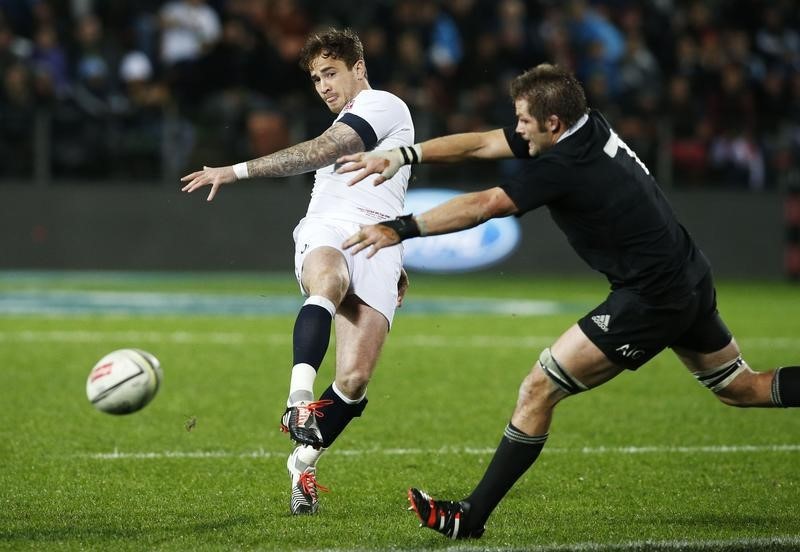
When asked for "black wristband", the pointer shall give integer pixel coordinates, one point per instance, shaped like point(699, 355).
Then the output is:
point(405, 226)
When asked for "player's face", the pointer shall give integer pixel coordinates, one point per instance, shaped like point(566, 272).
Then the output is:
point(335, 83)
point(528, 127)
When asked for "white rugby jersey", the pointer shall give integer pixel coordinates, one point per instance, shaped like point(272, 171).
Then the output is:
point(383, 122)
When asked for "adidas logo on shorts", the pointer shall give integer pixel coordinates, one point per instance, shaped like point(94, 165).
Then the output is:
point(602, 321)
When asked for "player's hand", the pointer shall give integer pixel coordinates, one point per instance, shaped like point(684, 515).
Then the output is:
point(209, 176)
point(402, 287)
point(384, 163)
point(376, 235)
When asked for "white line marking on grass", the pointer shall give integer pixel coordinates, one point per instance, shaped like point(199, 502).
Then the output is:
point(754, 543)
point(71, 302)
point(240, 338)
point(116, 454)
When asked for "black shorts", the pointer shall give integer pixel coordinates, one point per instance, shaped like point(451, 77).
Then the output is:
point(631, 331)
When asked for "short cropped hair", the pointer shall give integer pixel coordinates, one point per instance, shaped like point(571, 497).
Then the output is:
point(550, 90)
point(334, 43)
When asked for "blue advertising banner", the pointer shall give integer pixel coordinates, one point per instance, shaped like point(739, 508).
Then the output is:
point(470, 249)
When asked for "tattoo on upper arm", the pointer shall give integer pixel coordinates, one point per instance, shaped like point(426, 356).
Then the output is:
point(338, 140)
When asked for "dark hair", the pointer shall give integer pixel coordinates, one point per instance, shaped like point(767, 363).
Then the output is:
point(334, 43)
point(550, 90)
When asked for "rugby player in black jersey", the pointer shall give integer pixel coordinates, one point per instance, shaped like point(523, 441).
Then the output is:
point(617, 219)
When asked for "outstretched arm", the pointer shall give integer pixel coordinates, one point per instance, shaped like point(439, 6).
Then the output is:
point(464, 211)
point(446, 149)
point(338, 140)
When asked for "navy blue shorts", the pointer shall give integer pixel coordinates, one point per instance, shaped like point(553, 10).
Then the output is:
point(631, 331)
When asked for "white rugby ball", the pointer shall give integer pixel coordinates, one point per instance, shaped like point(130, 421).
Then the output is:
point(124, 381)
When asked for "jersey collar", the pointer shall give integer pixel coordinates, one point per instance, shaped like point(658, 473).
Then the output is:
point(574, 128)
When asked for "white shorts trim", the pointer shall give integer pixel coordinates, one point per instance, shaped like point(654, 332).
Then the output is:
point(373, 280)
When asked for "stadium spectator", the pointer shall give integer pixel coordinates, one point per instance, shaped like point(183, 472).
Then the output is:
point(690, 131)
point(189, 29)
point(617, 219)
point(141, 120)
point(13, 49)
point(776, 41)
point(50, 61)
point(91, 46)
point(17, 110)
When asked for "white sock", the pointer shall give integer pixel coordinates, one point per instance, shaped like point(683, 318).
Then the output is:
point(345, 398)
point(301, 387)
point(309, 455)
point(323, 302)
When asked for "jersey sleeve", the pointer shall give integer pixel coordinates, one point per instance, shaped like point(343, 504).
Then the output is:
point(537, 183)
point(362, 128)
point(374, 116)
point(519, 147)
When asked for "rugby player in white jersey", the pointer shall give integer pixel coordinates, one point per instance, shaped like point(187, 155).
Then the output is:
point(356, 295)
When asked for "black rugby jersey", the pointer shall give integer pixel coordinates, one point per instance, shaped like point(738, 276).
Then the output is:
point(611, 209)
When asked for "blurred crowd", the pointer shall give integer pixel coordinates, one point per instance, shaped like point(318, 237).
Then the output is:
point(706, 92)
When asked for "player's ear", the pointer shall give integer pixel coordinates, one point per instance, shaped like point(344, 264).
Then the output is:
point(553, 124)
point(361, 69)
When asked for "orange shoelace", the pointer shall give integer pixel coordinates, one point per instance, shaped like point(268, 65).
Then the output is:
point(312, 408)
point(308, 482)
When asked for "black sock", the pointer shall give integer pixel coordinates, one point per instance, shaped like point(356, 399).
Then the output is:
point(336, 416)
point(786, 386)
point(514, 455)
point(311, 336)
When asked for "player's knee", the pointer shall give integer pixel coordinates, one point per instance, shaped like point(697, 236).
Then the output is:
point(333, 285)
point(353, 384)
point(329, 283)
point(534, 394)
point(558, 378)
point(540, 390)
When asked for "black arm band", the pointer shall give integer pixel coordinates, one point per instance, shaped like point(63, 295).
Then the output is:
point(405, 226)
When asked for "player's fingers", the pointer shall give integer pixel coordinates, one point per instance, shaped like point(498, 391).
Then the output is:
point(350, 167)
point(194, 184)
point(380, 179)
point(190, 176)
point(213, 191)
point(353, 240)
point(351, 157)
point(359, 177)
point(189, 187)
point(359, 247)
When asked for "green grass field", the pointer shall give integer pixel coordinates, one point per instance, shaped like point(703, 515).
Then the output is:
point(650, 461)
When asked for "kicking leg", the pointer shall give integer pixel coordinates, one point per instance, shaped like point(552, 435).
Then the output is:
point(360, 334)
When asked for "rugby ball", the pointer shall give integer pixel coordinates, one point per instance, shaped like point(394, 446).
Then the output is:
point(124, 381)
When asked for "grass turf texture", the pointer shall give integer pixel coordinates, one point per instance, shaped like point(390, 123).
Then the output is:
point(638, 464)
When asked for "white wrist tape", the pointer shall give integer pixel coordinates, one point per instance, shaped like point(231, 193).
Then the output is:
point(418, 149)
point(411, 155)
point(240, 170)
point(423, 230)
